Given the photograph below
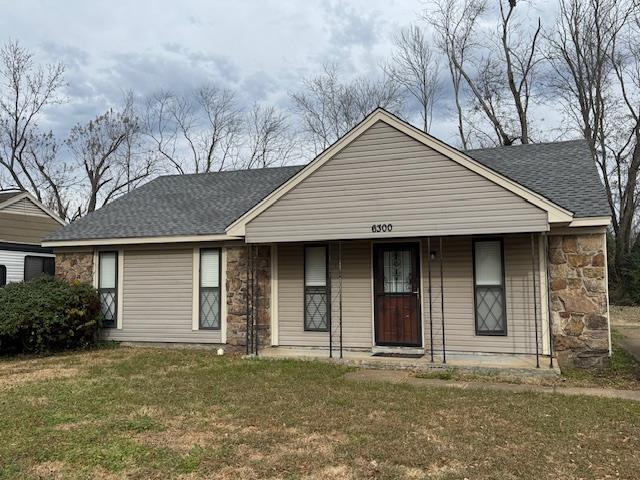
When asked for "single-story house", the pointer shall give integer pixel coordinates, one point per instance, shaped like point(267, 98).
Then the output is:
point(390, 242)
point(24, 222)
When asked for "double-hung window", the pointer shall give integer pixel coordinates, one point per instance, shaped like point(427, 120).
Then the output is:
point(316, 298)
point(210, 301)
point(3, 275)
point(108, 288)
point(490, 304)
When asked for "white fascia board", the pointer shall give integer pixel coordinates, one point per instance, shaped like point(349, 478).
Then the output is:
point(138, 241)
point(591, 222)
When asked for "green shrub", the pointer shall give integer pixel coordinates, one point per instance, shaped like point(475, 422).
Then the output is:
point(47, 314)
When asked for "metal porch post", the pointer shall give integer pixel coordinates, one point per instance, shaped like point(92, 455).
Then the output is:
point(340, 290)
point(256, 304)
point(430, 296)
point(246, 291)
point(535, 298)
point(546, 258)
point(444, 350)
point(329, 300)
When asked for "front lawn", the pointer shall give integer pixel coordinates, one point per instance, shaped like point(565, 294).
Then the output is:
point(159, 413)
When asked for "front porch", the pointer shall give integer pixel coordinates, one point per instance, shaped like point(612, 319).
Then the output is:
point(435, 319)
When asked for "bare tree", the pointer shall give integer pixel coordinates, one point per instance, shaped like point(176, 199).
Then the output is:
point(455, 24)
point(415, 68)
point(269, 138)
point(582, 53)
point(498, 70)
point(626, 65)
point(329, 107)
point(97, 147)
point(195, 132)
point(26, 89)
point(56, 177)
point(521, 54)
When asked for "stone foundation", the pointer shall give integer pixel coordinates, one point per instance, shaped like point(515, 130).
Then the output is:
point(236, 296)
point(579, 300)
point(75, 267)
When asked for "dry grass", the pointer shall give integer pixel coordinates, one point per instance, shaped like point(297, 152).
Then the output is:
point(147, 413)
point(625, 316)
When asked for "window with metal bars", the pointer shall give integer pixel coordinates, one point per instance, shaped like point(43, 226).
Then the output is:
point(210, 304)
point(488, 274)
point(316, 298)
point(108, 288)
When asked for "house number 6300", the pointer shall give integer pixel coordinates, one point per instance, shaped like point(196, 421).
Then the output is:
point(381, 227)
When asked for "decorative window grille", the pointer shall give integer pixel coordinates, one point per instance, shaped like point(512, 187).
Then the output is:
point(316, 301)
point(210, 311)
point(108, 287)
point(398, 271)
point(490, 306)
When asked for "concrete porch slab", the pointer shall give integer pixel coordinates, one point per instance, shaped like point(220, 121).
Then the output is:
point(474, 363)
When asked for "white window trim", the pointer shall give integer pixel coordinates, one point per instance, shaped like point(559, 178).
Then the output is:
point(195, 304)
point(120, 260)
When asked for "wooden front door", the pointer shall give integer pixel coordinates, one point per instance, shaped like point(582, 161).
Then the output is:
point(396, 286)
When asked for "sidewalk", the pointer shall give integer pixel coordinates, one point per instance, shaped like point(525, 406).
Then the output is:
point(406, 378)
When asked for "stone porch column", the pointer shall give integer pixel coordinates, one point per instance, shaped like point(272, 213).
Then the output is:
point(579, 306)
point(236, 296)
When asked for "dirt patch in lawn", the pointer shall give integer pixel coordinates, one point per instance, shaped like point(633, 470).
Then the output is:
point(15, 379)
point(48, 470)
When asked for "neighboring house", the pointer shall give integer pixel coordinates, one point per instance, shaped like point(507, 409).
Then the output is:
point(24, 222)
point(390, 241)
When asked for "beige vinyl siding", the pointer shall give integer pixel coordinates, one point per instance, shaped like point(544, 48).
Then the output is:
point(25, 228)
point(384, 177)
point(157, 298)
point(356, 295)
point(459, 302)
point(25, 207)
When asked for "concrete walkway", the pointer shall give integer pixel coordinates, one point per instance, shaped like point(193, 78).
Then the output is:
point(406, 378)
point(630, 340)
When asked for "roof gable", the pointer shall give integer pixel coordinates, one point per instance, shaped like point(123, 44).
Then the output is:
point(556, 213)
point(23, 203)
point(385, 177)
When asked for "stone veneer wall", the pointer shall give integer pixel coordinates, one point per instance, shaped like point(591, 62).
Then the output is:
point(579, 299)
point(75, 266)
point(236, 296)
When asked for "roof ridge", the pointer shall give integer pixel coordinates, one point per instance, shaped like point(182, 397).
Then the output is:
point(536, 144)
point(220, 172)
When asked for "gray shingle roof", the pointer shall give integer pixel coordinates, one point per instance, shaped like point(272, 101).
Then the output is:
point(205, 204)
point(563, 172)
point(198, 204)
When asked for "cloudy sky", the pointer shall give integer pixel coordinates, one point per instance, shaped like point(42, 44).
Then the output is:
point(260, 48)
